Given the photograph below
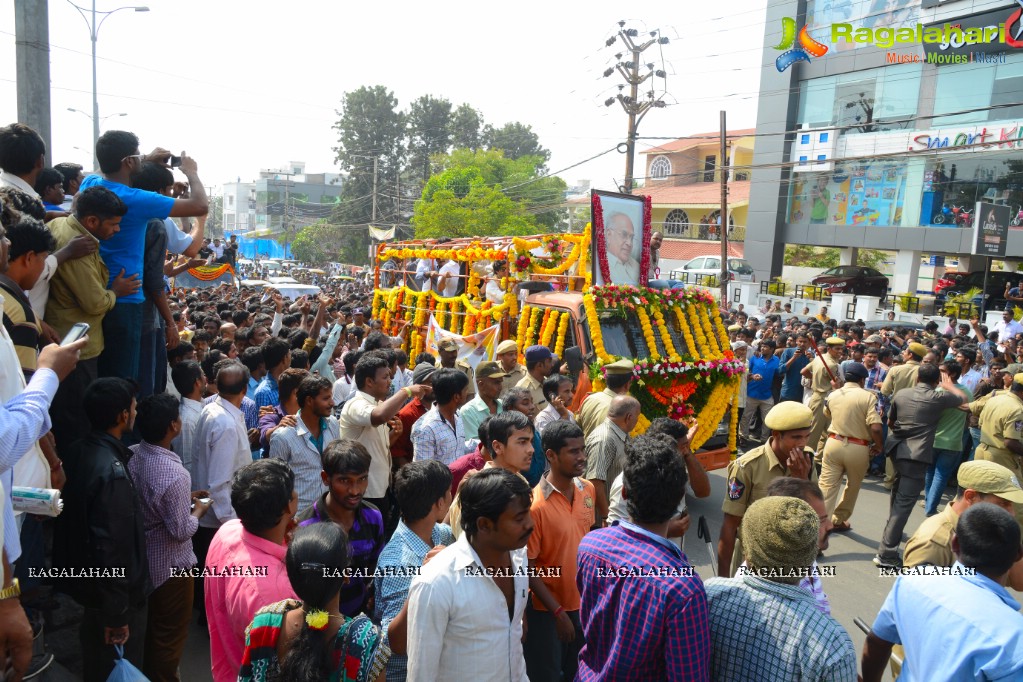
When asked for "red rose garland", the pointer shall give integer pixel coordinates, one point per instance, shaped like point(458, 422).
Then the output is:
point(644, 263)
point(598, 237)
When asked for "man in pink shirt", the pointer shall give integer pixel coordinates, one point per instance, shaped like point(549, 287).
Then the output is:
point(245, 565)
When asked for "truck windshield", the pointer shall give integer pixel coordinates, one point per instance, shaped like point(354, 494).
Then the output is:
point(623, 336)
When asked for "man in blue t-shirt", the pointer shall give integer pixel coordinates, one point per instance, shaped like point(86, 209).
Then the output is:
point(760, 379)
point(117, 152)
point(793, 360)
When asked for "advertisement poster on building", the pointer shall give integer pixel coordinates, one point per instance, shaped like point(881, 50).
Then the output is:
point(621, 238)
point(990, 229)
point(863, 194)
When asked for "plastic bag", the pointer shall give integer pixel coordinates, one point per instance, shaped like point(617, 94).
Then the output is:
point(123, 670)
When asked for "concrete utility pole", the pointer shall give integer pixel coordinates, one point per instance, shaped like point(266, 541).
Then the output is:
point(32, 54)
point(631, 103)
point(723, 218)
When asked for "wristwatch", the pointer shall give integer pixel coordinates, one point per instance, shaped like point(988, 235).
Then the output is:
point(10, 592)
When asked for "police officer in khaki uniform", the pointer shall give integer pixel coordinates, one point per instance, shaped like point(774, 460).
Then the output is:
point(1001, 432)
point(749, 476)
point(508, 356)
point(979, 481)
point(821, 384)
point(900, 377)
point(448, 351)
point(618, 377)
point(855, 435)
point(539, 363)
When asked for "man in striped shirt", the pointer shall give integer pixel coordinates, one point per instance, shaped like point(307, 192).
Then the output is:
point(605, 450)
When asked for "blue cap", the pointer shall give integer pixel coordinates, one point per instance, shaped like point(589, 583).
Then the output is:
point(538, 354)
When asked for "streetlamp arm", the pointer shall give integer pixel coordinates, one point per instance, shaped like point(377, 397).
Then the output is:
point(88, 25)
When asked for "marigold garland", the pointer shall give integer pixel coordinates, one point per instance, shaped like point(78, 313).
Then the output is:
point(208, 273)
point(559, 348)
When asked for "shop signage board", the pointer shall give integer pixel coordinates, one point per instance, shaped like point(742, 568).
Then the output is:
point(990, 229)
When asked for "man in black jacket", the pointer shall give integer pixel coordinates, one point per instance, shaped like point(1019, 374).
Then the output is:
point(99, 539)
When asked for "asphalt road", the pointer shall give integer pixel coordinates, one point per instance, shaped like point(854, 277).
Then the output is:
point(856, 589)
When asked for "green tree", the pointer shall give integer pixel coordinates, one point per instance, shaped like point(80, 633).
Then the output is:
point(806, 256)
point(466, 128)
point(516, 140)
point(521, 180)
point(323, 242)
point(429, 133)
point(370, 127)
point(459, 203)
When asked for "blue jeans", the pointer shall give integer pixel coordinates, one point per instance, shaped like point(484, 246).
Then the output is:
point(122, 341)
point(974, 441)
point(938, 475)
point(146, 377)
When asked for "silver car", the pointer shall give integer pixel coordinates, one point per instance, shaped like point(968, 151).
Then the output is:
point(704, 266)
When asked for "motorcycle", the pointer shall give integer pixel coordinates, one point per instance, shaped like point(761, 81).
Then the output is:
point(945, 215)
point(964, 217)
point(1018, 220)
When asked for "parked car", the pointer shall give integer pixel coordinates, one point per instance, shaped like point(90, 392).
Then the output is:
point(292, 289)
point(738, 269)
point(852, 279)
point(950, 278)
point(996, 282)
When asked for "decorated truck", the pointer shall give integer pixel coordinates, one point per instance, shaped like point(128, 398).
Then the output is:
point(684, 367)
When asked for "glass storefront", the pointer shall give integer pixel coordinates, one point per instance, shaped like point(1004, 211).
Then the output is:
point(909, 192)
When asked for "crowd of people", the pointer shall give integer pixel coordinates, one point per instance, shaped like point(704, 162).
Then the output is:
point(329, 508)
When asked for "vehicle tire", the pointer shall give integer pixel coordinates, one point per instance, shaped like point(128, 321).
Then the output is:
point(1015, 221)
point(939, 219)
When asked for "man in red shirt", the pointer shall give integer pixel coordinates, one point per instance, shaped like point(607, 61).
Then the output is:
point(401, 449)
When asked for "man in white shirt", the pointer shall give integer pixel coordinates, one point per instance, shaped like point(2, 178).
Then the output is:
point(460, 627)
point(189, 380)
point(424, 274)
point(1007, 327)
point(447, 284)
point(559, 391)
point(221, 449)
point(371, 418)
point(493, 291)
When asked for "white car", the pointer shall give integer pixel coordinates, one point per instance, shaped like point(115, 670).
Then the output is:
point(738, 269)
point(291, 288)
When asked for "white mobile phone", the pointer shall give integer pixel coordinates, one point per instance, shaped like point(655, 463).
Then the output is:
point(76, 332)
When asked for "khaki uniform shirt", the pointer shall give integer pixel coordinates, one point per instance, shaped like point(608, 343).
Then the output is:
point(900, 377)
point(852, 410)
point(749, 476)
point(1001, 420)
point(513, 378)
point(820, 380)
point(463, 367)
point(932, 541)
point(594, 410)
point(535, 389)
point(977, 406)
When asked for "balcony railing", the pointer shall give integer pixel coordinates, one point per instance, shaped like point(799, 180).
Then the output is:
point(737, 233)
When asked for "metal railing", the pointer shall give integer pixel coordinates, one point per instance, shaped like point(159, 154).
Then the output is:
point(737, 233)
point(809, 292)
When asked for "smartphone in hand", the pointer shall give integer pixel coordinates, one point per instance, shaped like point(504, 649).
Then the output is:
point(76, 332)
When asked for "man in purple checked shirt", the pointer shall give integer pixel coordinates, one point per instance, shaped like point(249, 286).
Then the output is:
point(643, 628)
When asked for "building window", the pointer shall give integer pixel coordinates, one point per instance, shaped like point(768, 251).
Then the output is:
point(676, 224)
point(866, 101)
point(972, 90)
point(660, 168)
point(708, 168)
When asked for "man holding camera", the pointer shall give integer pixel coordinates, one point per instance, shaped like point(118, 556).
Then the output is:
point(118, 154)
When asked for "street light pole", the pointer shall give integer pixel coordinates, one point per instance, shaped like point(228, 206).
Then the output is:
point(94, 37)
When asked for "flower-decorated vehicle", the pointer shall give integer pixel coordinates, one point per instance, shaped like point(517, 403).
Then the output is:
point(684, 367)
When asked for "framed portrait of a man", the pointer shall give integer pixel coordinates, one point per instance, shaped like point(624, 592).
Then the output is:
point(621, 238)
